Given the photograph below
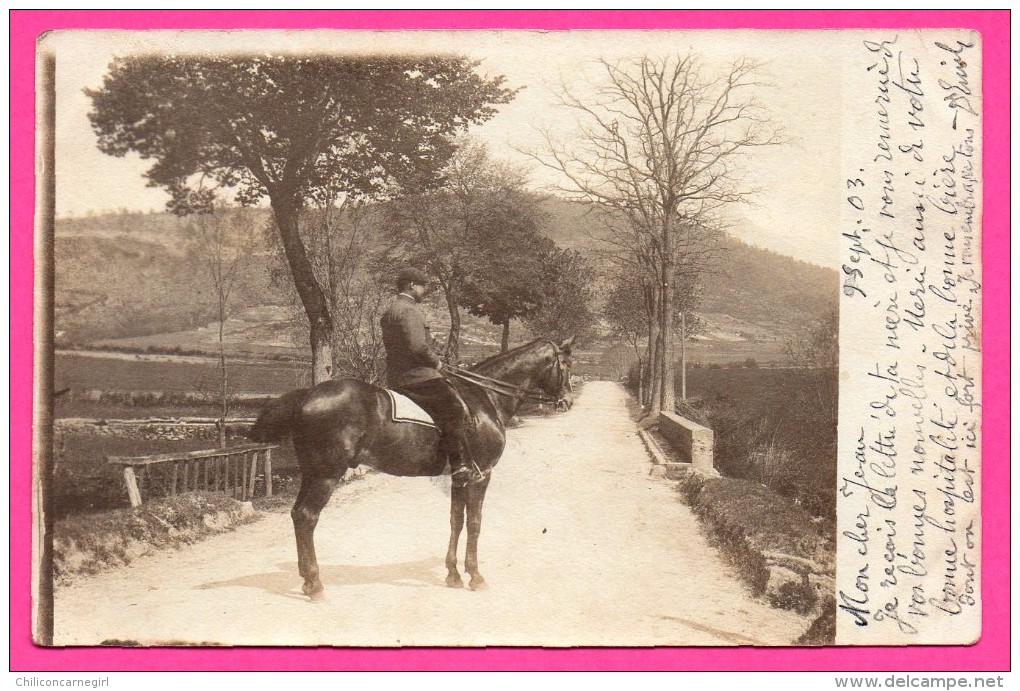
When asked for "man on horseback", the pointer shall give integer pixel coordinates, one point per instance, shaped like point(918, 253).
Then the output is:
point(414, 369)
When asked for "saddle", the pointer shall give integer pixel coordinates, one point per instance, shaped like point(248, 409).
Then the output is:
point(404, 410)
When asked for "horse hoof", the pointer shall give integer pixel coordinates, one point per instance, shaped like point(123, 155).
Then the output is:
point(454, 581)
point(315, 592)
point(477, 583)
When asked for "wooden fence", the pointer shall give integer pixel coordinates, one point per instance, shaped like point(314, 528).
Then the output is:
point(232, 470)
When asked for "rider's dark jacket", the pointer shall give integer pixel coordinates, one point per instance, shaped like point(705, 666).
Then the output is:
point(409, 356)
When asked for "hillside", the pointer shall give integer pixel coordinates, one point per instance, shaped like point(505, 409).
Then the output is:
point(753, 293)
point(136, 274)
point(133, 280)
point(768, 289)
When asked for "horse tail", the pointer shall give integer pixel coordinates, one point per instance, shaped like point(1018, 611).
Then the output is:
point(275, 422)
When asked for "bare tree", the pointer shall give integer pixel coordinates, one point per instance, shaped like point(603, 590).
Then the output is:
point(659, 147)
point(625, 311)
point(222, 241)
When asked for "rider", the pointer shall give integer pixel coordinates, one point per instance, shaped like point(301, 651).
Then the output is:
point(413, 369)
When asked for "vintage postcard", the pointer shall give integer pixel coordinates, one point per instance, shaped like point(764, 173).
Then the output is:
point(695, 314)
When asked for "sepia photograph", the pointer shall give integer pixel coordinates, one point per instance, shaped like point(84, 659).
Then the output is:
point(463, 339)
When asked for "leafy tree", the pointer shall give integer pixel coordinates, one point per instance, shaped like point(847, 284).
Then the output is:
point(290, 129)
point(568, 293)
point(503, 277)
point(464, 233)
point(818, 351)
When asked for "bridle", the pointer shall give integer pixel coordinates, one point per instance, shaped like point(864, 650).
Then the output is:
point(505, 388)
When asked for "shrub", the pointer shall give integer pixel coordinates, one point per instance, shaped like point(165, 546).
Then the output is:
point(746, 511)
point(85, 545)
point(774, 465)
point(823, 629)
point(799, 597)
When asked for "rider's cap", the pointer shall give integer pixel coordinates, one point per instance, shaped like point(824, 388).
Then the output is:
point(408, 276)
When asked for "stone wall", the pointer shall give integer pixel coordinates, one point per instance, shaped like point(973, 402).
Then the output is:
point(692, 441)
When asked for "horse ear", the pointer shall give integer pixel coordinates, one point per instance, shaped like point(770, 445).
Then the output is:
point(565, 345)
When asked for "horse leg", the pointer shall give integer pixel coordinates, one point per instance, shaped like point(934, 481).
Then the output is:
point(458, 503)
point(314, 493)
point(476, 496)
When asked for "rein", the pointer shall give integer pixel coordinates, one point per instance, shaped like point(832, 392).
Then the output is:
point(503, 388)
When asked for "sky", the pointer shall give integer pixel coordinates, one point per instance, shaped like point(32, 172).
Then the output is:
point(794, 211)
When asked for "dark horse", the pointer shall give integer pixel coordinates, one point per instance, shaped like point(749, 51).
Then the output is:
point(344, 423)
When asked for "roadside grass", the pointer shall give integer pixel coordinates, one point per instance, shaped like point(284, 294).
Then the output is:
point(89, 544)
point(783, 553)
point(745, 512)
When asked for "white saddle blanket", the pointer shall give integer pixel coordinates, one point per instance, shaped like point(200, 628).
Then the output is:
point(403, 409)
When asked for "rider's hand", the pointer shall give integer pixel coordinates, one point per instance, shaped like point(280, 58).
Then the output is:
point(440, 366)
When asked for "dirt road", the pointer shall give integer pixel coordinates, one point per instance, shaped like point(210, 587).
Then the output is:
point(579, 546)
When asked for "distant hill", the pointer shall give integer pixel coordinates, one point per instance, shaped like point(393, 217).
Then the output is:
point(130, 276)
point(760, 286)
point(769, 295)
point(133, 274)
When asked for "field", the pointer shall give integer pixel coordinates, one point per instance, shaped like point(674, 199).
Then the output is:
point(139, 372)
point(728, 352)
point(126, 386)
point(775, 426)
point(85, 483)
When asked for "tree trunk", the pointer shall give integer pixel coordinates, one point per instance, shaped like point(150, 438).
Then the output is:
point(641, 379)
point(659, 383)
point(668, 396)
point(655, 351)
point(453, 338)
point(223, 374)
point(504, 345)
point(669, 373)
point(320, 322)
point(652, 316)
point(683, 356)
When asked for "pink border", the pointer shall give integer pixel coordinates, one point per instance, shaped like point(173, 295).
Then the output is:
point(991, 653)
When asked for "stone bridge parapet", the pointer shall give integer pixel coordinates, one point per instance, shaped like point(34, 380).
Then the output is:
point(693, 442)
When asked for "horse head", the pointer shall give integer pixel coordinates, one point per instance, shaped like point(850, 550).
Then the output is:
point(538, 371)
point(557, 384)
